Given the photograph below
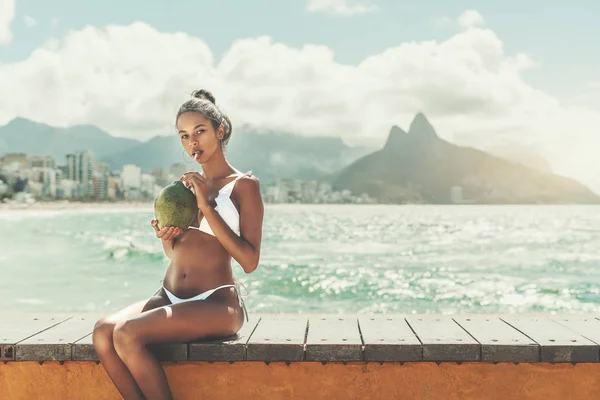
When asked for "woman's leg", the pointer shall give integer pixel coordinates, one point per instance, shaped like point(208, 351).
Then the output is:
point(102, 338)
point(183, 322)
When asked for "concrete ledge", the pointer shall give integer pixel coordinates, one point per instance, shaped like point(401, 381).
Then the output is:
point(335, 338)
point(314, 380)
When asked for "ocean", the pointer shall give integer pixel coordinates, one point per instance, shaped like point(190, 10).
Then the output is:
point(321, 259)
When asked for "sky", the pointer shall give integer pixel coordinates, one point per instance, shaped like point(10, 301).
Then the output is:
point(490, 75)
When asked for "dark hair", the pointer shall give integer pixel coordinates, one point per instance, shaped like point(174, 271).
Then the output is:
point(203, 102)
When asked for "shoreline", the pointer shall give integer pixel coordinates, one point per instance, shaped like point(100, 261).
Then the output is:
point(75, 205)
point(67, 205)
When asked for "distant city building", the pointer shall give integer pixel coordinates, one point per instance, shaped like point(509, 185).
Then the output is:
point(161, 176)
point(15, 166)
point(147, 186)
point(309, 192)
point(64, 171)
point(100, 186)
point(35, 188)
point(71, 167)
point(285, 190)
point(80, 169)
point(113, 188)
point(131, 177)
point(272, 194)
point(456, 194)
point(324, 189)
point(38, 177)
point(102, 168)
point(66, 189)
point(101, 174)
point(178, 169)
point(42, 162)
point(20, 158)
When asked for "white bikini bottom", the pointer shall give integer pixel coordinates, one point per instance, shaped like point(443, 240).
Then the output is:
point(203, 296)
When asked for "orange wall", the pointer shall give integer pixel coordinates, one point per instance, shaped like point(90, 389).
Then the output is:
point(312, 381)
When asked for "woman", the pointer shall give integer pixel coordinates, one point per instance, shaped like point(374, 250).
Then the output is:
point(199, 297)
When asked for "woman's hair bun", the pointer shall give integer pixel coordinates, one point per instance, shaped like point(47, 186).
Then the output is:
point(204, 94)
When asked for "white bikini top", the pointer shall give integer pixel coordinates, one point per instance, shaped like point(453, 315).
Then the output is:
point(225, 208)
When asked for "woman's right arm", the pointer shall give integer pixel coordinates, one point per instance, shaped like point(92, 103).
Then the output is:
point(166, 234)
point(168, 247)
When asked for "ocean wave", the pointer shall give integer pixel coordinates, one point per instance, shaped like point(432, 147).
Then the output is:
point(119, 249)
point(18, 215)
point(33, 302)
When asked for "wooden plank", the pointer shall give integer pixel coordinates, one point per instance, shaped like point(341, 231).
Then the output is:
point(169, 351)
point(229, 349)
point(20, 328)
point(83, 350)
point(55, 344)
point(558, 344)
point(444, 340)
point(389, 339)
point(278, 338)
point(499, 341)
point(588, 327)
point(333, 338)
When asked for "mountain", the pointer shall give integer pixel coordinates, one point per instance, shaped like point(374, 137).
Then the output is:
point(519, 154)
point(25, 136)
point(273, 154)
point(268, 154)
point(419, 167)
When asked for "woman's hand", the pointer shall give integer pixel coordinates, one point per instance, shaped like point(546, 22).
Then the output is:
point(167, 233)
point(199, 185)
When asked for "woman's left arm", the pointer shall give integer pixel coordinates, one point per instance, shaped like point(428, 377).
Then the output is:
point(245, 249)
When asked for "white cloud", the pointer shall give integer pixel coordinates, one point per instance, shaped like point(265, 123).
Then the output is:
point(340, 7)
point(470, 18)
point(469, 87)
point(30, 21)
point(7, 14)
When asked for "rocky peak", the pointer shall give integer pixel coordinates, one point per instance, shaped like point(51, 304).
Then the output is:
point(395, 138)
point(421, 129)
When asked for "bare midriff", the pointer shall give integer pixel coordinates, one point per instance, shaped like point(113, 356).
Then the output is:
point(199, 262)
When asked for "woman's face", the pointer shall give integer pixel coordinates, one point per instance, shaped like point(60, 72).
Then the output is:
point(198, 137)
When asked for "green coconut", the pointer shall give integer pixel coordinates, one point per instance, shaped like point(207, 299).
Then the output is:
point(175, 206)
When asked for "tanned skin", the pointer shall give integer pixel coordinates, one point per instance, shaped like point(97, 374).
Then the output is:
point(198, 262)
